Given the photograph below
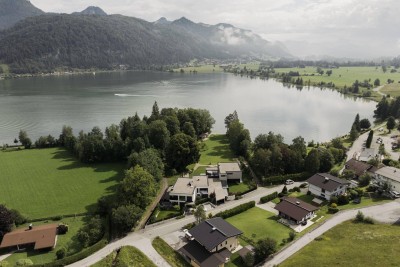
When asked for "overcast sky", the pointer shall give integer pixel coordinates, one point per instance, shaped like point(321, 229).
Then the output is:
point(341, 28)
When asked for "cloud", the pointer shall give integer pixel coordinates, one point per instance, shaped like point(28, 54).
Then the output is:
point(349, 28)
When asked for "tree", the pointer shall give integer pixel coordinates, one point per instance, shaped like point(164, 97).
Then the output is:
point(312, 161)
point(299, 145)
point(329, 72)
point(364, 180)
point(158, 134)
point(230, 118)
point(6, 221)
point(357, 123)
point(188, 129)
point(200, 214)
point(354, 133)
point(182, 151)
point(15, 141)
point(391, 123)
point(24, 139)
point(382, 109)
point(248, 259)
point(377, 82)
point(365, 124)
point(155, 112)
point(125, 217)
point(61, 253)
point(150, 160)
point(173, 124)
point(138, 187)
point(284, 190)
point(261, 162)
point(264, 248)
point(369, 139)
point(326, 160)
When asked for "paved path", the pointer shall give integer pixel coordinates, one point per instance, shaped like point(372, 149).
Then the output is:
point(142, 238)
point(388, 213)
point(3, 257)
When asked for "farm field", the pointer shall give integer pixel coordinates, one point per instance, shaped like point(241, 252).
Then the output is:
point(43, 183)
point(351, 244)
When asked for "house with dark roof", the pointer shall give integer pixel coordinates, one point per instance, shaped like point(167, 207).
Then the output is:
point(325, 185)
point(359, 168)
point(40, 237)
point(214, 241)
point(295, 210)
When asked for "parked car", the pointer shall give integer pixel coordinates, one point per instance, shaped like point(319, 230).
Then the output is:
point(288, 181)
point(395, 194)
point(188, 235)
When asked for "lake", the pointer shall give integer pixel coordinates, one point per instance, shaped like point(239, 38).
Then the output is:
point(42, 105)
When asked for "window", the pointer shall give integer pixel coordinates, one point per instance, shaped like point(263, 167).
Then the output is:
point(226, 242)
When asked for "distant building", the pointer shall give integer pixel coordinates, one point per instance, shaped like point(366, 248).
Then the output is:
point(325, 185)
point(359, 168)
point(214, 241)
point(295, 210)
point(368, 154)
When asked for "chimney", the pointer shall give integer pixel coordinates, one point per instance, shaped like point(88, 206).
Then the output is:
point(326, 179)
point(30, 226)
point(214, 228)
point(297, 202)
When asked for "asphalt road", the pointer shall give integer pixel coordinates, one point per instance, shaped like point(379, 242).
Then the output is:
point(142, 239)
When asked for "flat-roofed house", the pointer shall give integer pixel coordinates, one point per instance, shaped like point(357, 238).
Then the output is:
point(295, 210)
point(325, 185)
point(214, 241)
point(41, 237)
point(230, 171)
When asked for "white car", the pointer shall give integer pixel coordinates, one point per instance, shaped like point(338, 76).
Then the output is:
point(288, 181)
point(188, 235)
point(395, 194)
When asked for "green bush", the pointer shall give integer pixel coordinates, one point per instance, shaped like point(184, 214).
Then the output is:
point(269, 197)
point(4, 264)
point(334, 200)
point(61, 253)
point(303, 185)
point(332, 210)
point(343, 200)
point(359, 217)
point(239, 209)
point(369, 220)
point(24, 262)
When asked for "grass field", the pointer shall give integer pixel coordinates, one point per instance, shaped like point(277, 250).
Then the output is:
point(392, 89)
point(67, 241)
point(47, 182)
point(262, 224)
point(351, 244)
point(208, 68)
point(127, 257)
point(238, 188)
point(345, 75)
point(169, 254)
point(215, 149)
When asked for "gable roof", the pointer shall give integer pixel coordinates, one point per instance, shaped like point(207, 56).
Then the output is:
point(295, 208)
point(43, 236)
point(202, 256)
point(213, 232)
point(326, 181)
point(359, 167)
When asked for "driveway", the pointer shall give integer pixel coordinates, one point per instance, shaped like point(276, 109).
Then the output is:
point(387, 213)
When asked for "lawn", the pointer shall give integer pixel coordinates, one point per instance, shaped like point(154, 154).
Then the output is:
point(200, 170)
point(48, 182)
point(169, 254)
point(215, 149)
point(67, 241)
point(238, 188)
point(257, 223)
point(351, 244)
point(127, 256)
point(392, 89)
point(163, 214)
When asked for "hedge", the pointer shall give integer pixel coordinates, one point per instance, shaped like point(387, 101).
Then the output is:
point(59, 217)
point(269, 197)
point(239, 209)
point(280, 179)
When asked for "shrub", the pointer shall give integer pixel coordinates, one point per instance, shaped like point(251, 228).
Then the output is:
point(343, 200)
point(292, 236)
point(61, 253)
point(332, 210)
point(364, 180)
point(4, 264)
point(280, 179)
point(333, 205)
point(57, 218)
point(284, 190)
point(334, 200)
point(369, 220)
point(269, 197)
point(281, 195)
point(303, 185)
point(24, 262)
point(359, 217)
point(17, 217)
point(308, 193)
point(353, 194)
point(62, 229)
point(239, 209)
point(189, 226)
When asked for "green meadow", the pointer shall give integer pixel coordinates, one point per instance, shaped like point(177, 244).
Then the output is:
point(48, 182)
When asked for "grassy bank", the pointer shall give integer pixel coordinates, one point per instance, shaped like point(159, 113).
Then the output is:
point(171, 256)
point(127, 256)
point(351, 244)
point(53, 182)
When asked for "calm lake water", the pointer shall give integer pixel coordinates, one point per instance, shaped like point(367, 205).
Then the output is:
point(42, 105)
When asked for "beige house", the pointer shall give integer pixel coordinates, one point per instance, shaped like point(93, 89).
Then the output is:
point(214, 241)
point(390, 175)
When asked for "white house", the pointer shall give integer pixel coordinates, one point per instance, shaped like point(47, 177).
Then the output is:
point(390, 175)
point(325, 185)
point(229, 171)
point(369, 153)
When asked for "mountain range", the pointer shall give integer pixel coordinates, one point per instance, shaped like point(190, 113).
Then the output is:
point(33, 41)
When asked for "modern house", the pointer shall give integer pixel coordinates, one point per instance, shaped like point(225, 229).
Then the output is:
point(390, 175)
point(40, 237)
point(295, 210)
point(325, 185)
point(359, 168)
point(214, 241)
point(226, 172)
point(186, 190)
